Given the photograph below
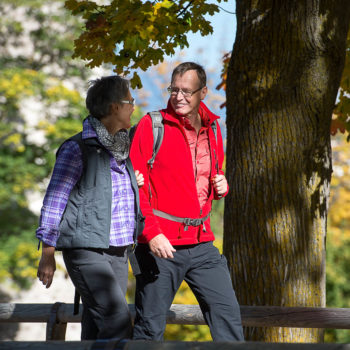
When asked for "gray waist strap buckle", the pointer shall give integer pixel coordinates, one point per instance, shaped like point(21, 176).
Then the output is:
point(192, 222)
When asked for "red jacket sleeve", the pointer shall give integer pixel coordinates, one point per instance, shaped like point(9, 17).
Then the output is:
point(140, 152)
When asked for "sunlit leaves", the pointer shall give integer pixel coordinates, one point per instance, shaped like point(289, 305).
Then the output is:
point(132, 34)
point(338, 236)
point(225, 60)
point(14, 82)
point(38, 81)
point(341, 117)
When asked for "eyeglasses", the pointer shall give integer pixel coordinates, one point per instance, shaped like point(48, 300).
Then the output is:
point(130, 102)
point(174, 91)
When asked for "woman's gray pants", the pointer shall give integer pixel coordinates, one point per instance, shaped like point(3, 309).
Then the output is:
point(100, 276)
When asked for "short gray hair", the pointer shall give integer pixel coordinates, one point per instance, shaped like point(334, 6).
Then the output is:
point(103, 92)
point(182, 68)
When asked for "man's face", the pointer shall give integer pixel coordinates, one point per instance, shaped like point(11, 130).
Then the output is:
point(187, 105)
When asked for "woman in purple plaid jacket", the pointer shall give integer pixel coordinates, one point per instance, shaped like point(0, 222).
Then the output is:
point(91, 211)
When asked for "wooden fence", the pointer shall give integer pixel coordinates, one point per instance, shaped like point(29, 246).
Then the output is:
point(57, 315)
point(175, 345)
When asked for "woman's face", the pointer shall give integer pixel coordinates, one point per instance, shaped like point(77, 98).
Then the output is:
point(124, 111)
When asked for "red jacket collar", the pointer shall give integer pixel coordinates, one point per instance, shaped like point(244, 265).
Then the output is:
point(207, 116)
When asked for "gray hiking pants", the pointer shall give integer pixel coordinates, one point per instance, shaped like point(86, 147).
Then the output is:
point(100, 276)
point(206, 273)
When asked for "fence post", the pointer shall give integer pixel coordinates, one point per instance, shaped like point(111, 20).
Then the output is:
point(55, 330)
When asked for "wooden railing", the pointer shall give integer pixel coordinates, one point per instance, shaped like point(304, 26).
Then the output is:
point(57, 315)
point(167, 345)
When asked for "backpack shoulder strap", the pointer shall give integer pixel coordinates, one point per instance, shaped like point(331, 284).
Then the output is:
point(158, 133)
point(214, 128)
point(79, 140)
point(132, 132)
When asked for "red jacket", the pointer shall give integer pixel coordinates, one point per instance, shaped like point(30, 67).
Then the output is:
point(172, 182)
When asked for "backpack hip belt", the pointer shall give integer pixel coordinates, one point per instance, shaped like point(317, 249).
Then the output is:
point(186, 221)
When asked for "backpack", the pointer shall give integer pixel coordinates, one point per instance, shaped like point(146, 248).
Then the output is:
point(158, 133)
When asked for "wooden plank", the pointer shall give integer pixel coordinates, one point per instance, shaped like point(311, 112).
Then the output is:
point(258, 316)
point(25, 312)
point(182, 314)
point(55, 329)
point(302, 317)
point(176, 345)
point(46, 345)
point(167, 345)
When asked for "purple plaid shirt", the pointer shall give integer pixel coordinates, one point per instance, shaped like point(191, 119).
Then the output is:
point(67, 171)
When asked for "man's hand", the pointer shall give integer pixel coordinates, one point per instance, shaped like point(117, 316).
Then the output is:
point(161, 247)
point(220, 184)
point(47, 265)
point(139, 178)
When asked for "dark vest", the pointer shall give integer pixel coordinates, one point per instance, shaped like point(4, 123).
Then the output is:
point(87, 218)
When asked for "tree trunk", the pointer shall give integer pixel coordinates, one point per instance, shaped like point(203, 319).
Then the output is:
point(282, 84)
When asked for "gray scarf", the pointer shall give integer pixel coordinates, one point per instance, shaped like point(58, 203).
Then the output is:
point(118, 144)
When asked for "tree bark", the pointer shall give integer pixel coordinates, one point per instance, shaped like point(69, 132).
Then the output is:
point(282, 84)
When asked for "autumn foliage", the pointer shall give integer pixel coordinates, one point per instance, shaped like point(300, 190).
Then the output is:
point(133, 35)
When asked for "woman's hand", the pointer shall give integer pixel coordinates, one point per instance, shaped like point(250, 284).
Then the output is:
point(139, 178)
point(47, 265)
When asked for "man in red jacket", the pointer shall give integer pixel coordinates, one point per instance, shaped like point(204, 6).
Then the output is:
point(177, 241)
